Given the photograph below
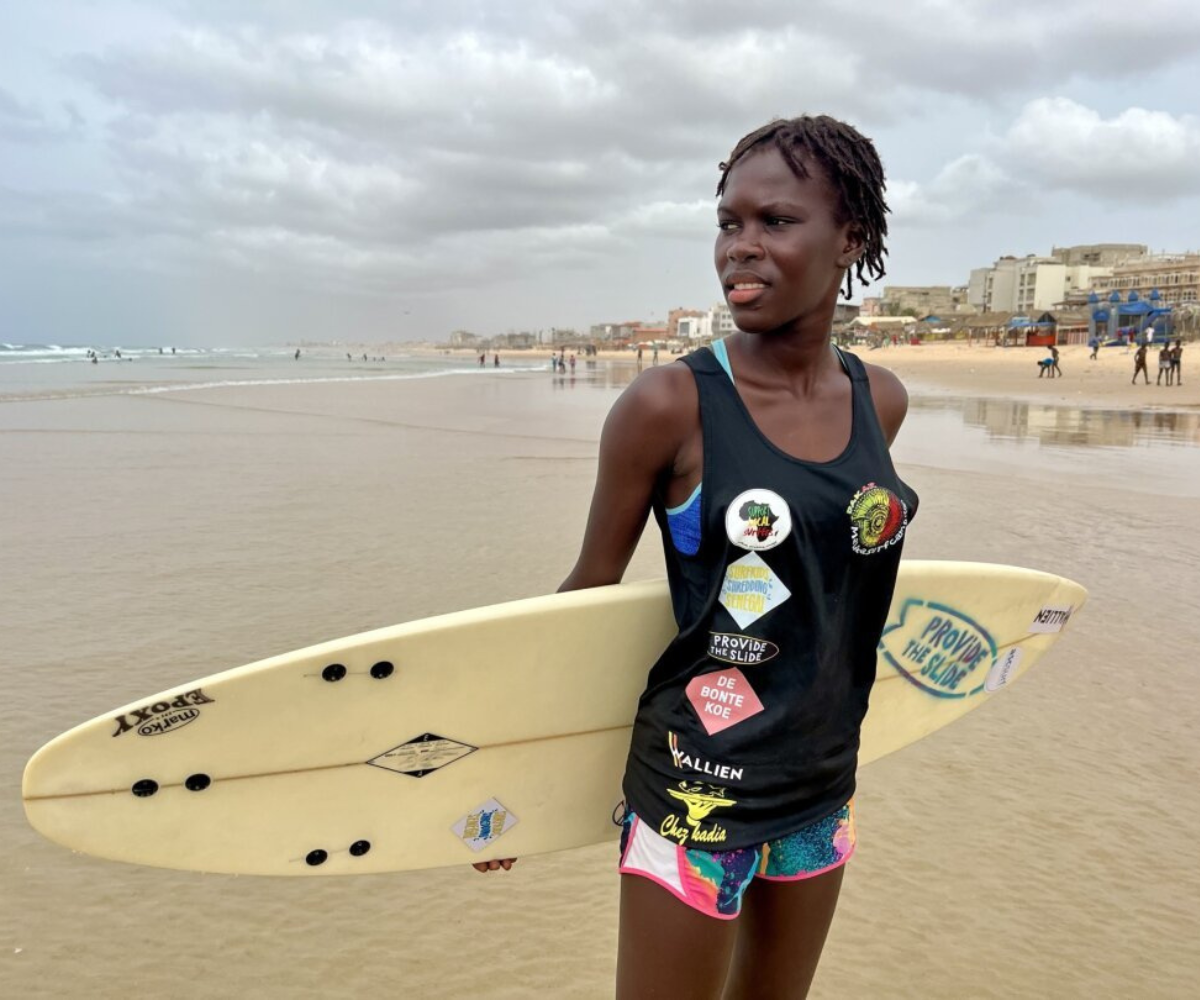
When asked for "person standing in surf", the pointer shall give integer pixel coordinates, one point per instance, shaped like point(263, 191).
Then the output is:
point(765, 463)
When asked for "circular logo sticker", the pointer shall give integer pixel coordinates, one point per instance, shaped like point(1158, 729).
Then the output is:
point(877, 519)
point(758, 520)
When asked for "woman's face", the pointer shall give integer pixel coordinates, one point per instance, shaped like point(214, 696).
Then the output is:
point(780, 254)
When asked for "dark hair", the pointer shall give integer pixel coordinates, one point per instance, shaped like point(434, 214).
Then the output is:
point(852, 166)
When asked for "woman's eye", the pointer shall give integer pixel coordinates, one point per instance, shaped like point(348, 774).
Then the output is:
point(726, 226)
point(776, 220)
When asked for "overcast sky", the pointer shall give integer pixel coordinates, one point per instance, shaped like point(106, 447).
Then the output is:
point(228, 172)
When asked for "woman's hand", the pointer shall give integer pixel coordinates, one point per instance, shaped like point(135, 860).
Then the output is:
point(491, 866)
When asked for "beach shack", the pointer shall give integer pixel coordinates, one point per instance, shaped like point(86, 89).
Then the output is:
point(1068, 327)
point(988, 326)
point(1033, 332)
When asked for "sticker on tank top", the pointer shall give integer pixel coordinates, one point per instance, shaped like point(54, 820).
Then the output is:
point(758, 520)
point(877, 519)
point(734, 648)
point(701, 799)
point(722, 699)
point(751, 589)
point(686, 760)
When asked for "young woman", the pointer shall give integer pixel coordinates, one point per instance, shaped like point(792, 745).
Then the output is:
point(765, 462)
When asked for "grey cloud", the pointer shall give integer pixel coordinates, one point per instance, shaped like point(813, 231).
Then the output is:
point(969, 186)
point(419, 149)
point(23, 123)
point(1138, 155)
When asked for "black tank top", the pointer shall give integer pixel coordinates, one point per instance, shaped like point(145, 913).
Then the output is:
point(749, 725)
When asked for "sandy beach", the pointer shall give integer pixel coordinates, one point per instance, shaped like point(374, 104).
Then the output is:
point(1042, 847)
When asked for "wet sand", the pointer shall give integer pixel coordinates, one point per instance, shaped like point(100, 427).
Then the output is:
point(1040, 847)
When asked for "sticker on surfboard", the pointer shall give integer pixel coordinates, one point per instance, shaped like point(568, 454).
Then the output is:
point(422, 755)
point(484, 824)
point(1051, 619)
point(1002, 670)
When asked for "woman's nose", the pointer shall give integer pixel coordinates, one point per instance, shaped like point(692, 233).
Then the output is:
point(745, 247)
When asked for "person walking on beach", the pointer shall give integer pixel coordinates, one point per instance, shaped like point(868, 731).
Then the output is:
point(1054, 369)
point(1094, 344)
point(769, 464)
point(1177, 362)
point(1164, 363)
point(1139, 364)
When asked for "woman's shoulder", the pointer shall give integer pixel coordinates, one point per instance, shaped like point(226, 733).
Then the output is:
point(890, 398)
point(660, 400)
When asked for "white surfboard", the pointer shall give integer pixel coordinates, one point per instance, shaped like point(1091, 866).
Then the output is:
point(491, 733)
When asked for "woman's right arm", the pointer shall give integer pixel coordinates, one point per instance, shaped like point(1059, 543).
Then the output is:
point(639, 447)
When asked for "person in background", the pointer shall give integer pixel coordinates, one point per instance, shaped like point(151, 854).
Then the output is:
point(1164, 363)
point(1139, 364)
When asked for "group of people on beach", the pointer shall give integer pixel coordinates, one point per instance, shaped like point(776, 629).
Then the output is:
point(1170, 364)
point(1049, 366)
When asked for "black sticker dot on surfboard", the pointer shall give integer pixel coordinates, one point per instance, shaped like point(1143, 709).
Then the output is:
point(145, 788)
point(314, 858)
point(381, 670)
point(334, 672)
point(197, 782)
point(360, 847)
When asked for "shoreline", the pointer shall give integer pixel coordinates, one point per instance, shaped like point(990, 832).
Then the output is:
point(941, 369)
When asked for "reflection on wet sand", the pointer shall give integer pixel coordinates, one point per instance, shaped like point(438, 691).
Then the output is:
point(1069, 426)
point(1008, 419)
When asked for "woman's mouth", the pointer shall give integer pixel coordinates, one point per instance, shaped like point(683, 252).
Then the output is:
point(744, 292)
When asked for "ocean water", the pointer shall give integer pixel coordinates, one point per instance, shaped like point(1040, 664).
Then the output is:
point(52, 371)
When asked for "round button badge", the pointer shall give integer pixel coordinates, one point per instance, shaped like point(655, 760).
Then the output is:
point(758, 520)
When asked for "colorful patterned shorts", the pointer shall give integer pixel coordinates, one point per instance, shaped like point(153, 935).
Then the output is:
point(714, 882)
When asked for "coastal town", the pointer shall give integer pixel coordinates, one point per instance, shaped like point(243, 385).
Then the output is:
point(1112, 294)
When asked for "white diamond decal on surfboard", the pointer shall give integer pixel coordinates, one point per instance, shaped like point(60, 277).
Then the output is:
point(751, 589)
point(483, 824)
point(422, 754)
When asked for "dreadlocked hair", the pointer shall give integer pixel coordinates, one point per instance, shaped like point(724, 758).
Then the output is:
point(852, 167)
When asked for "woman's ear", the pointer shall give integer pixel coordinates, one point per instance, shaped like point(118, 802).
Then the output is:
point(853, 247)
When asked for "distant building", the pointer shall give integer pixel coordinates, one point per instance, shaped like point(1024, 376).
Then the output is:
point(845, 312)
point(674, 317)
point(922, 300)
point(515, 341)
point(612, 333)
point(1175, 276)
point(695, 328)
point(1028, 284)
point(1099, 254)
point(649, 333)
point(721, 320)
point(463, 338)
